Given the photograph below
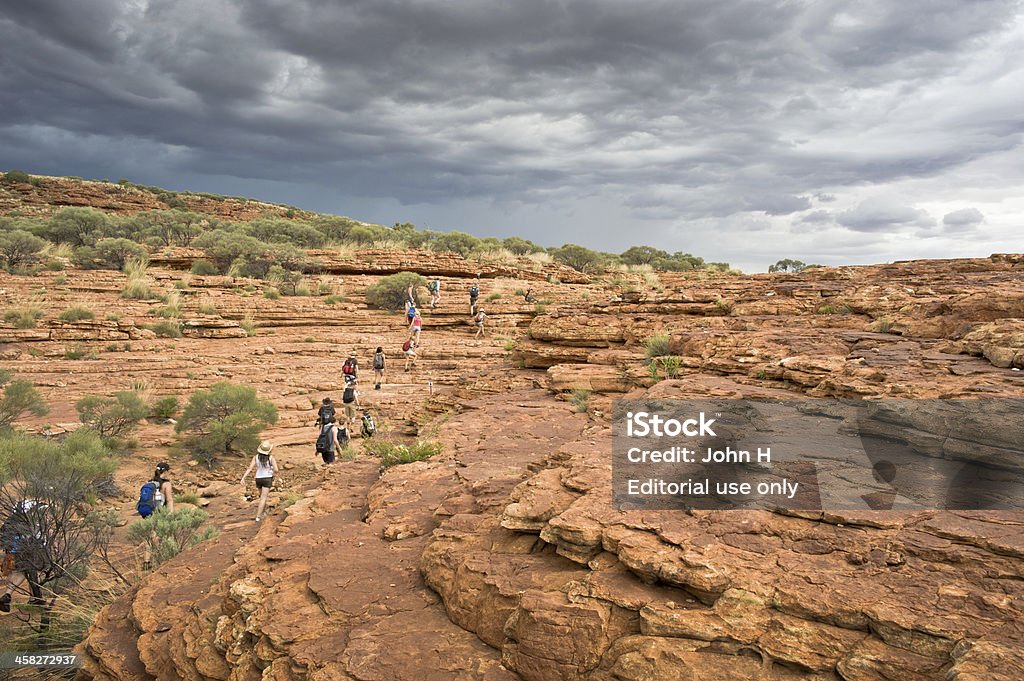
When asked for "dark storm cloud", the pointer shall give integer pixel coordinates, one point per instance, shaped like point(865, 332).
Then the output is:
point(673, 110)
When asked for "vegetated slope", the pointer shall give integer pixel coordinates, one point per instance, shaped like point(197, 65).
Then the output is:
point(502, 558)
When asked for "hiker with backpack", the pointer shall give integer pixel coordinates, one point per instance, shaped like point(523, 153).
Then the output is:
point(327, 444)
point(23, 539)
point(479, 319)
point(325, 412)
point(434, 288)
point(379, 364)
point(409, 350)
point(474, 293)
point(415, 327)
point(368, 427)
point(351, 400)
point(410, 296)
point(157, 493)
point(266, 467)
point(350, 369)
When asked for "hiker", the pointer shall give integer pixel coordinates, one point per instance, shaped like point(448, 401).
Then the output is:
point(325, 412)
point(351, 400)
point(379, 364)
point(266, 467)
point(409, 350)
point(479, 319)
point(157, 493)
point(327, 443)
point(474, 293)
point(350, 369)
point(369, 427)
point(410, 296)
point(434, 288)
point(24, 545)
point(415, 328)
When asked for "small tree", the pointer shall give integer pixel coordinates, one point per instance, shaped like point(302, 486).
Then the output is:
point(77, 226)
point(579, 258)
point(224, 419)
point(788, 265)
point(390, 292)
point(168, 534)
point(112, 417)
point(116, 253)
point(59, 476)
point(19, 398)
point(19, 247)
point(456, 242)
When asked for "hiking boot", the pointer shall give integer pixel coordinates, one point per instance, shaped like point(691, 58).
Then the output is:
point(377, 387)
point(36, 601)
point(5, 603)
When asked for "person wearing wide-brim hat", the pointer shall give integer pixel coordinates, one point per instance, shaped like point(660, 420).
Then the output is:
point(266, 467)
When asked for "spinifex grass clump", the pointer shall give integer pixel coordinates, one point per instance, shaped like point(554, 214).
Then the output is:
point(393, 453)
point(657, 345)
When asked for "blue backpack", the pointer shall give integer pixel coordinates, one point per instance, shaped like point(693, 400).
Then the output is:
point(147, 499)
point(411, 313)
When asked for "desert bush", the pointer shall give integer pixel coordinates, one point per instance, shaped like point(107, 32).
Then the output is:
point(18, 399)
point(657, 345)
point(76, 314)
point(292, 232)
point(165, 329)
point(456, 242)
point(76, 226)
point(390, 292)
point(224, 419)
point(16, 177)
point(521, 246)
point(112, 417)
point(172, 308)
point(203, 268)
point(579, 398)
point(393, 454)
point(271, 293)
point(207, 309)
point(164, 408)
point(116, 253)
point(580, 258)
point(19, 248)
point(335, 299)
point(24, 317)
point(168, 534)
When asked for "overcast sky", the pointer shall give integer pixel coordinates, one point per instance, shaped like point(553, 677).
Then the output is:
point(830, 132)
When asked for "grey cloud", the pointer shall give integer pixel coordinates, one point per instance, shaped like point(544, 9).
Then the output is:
point(672, 110)
point(881, 214)
point(818, 217)
point(964, 218)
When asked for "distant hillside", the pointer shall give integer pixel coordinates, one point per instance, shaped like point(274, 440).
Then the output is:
point(41, 196)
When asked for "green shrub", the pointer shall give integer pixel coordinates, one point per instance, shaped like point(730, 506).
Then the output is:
point(540, 308)
point(60, 280)
point(510, 346)
point(203, 268)
point(17, 177)
point(657, 345)
point(390, 292)
point(580, 258)
point(19, 248)
point(76, 314)
point(494, 296)
point(116, 253)
point(76, 226)
point(224, 419)
point(456, 242)
point(271, 293)
point(168, 534)
point(579, 398)
point(393, 454)
point(164, 408)
point(24, 317)
point(335, 299)
point(207, 309)
point(112, 417)
point(189, 498)
point(248, 326)
point(18, 398)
